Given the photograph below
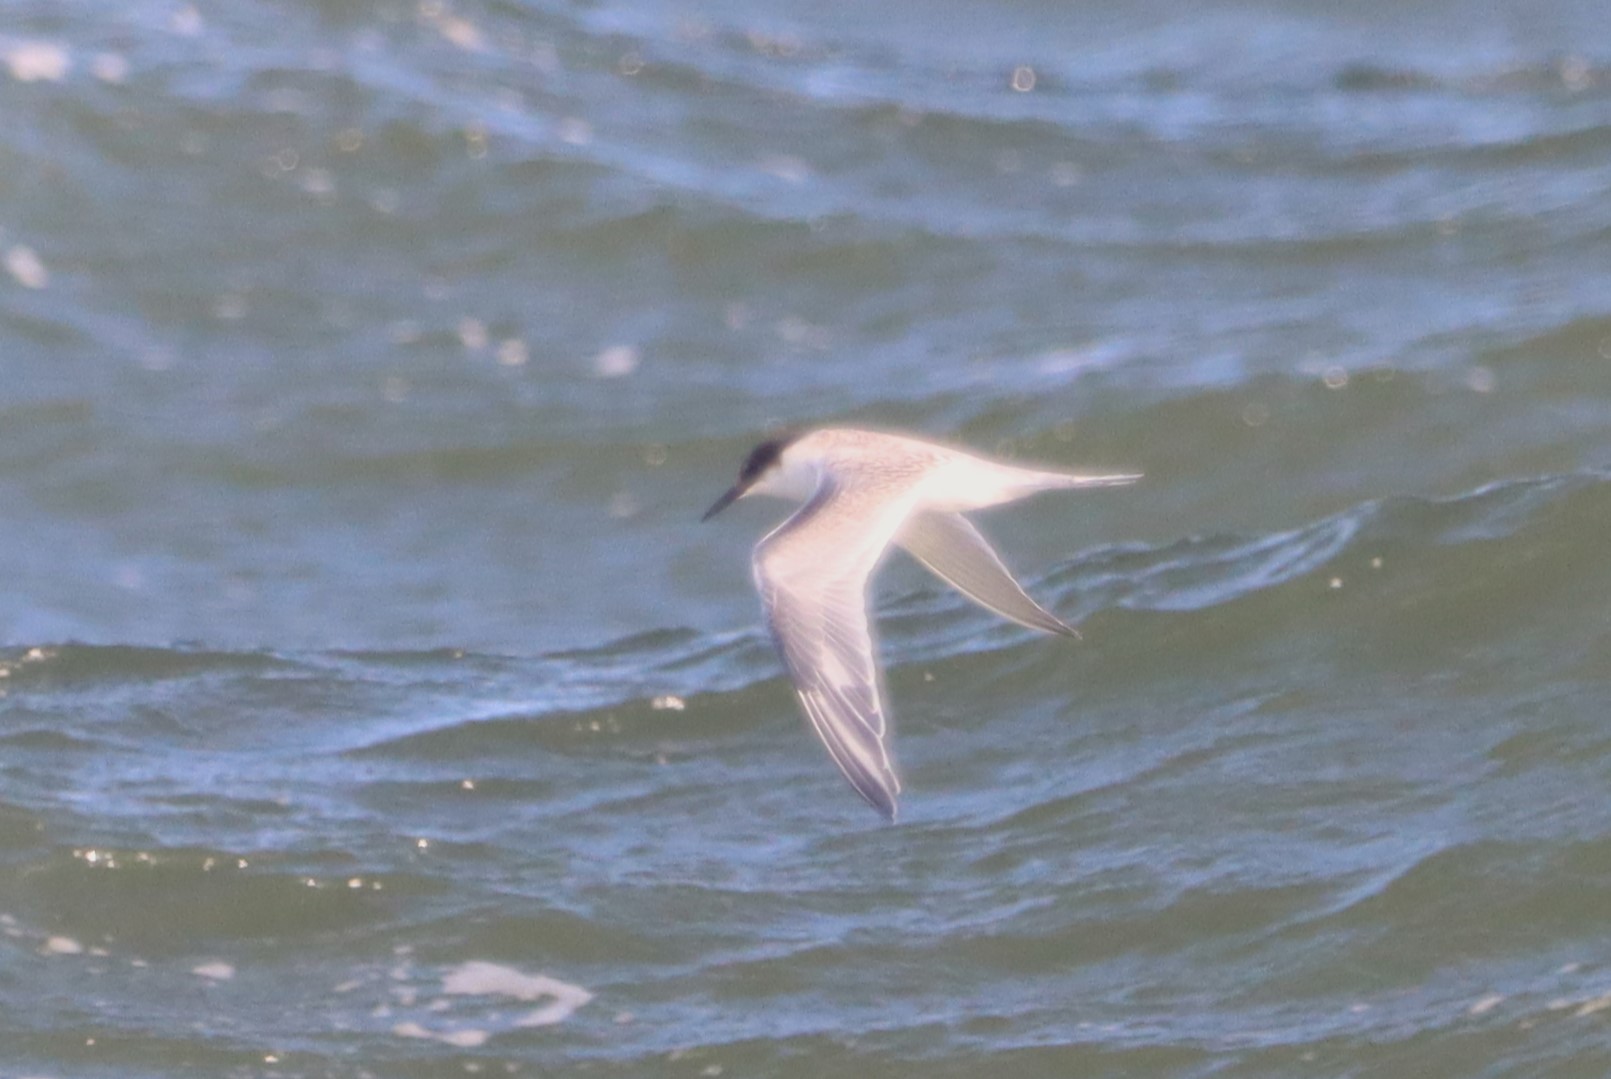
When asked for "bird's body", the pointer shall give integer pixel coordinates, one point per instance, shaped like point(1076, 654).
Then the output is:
point(863, 492)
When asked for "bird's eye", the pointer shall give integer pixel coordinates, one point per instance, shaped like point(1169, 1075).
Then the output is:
point(761, 459)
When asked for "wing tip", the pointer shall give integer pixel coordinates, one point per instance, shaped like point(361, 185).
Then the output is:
point(1044, 621)
point(883, 802)
point(881, 790)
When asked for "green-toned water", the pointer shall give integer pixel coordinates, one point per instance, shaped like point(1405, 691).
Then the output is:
point(371, 702)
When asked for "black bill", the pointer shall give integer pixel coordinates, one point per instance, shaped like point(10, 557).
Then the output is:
point(723, 502)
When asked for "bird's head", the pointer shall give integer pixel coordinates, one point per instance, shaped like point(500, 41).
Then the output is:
point(767, 471)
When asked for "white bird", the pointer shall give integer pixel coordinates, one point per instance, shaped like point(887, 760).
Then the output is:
point(864, 490)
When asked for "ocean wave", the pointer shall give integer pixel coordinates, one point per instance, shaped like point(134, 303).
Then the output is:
point(1396, 565)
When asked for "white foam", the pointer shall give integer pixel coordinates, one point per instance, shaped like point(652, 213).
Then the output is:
point(464, 1039)
point(443, 1020)
point(1593, 1005)
point(617, 361)
point(36, 61)
point(478, 978)
point(25, 265)
point(110, 67)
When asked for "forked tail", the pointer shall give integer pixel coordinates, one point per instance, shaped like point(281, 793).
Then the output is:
point(1058, 481)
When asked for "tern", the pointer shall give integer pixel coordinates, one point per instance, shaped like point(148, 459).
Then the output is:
point(863, 492)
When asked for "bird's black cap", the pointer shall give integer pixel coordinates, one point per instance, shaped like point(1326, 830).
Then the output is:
point(761, 458)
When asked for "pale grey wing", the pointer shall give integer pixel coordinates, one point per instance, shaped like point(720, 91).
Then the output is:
point(952, 548)
point(812, 574)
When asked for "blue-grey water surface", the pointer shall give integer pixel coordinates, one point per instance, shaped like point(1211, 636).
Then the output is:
point(372, 704)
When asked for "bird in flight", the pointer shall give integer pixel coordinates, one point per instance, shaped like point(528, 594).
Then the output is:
point(863, 491)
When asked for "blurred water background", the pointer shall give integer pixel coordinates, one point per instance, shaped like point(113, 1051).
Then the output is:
point(372, 704)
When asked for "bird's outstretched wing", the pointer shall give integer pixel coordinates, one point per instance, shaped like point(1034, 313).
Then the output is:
point(953, 550)
point(812, 573)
